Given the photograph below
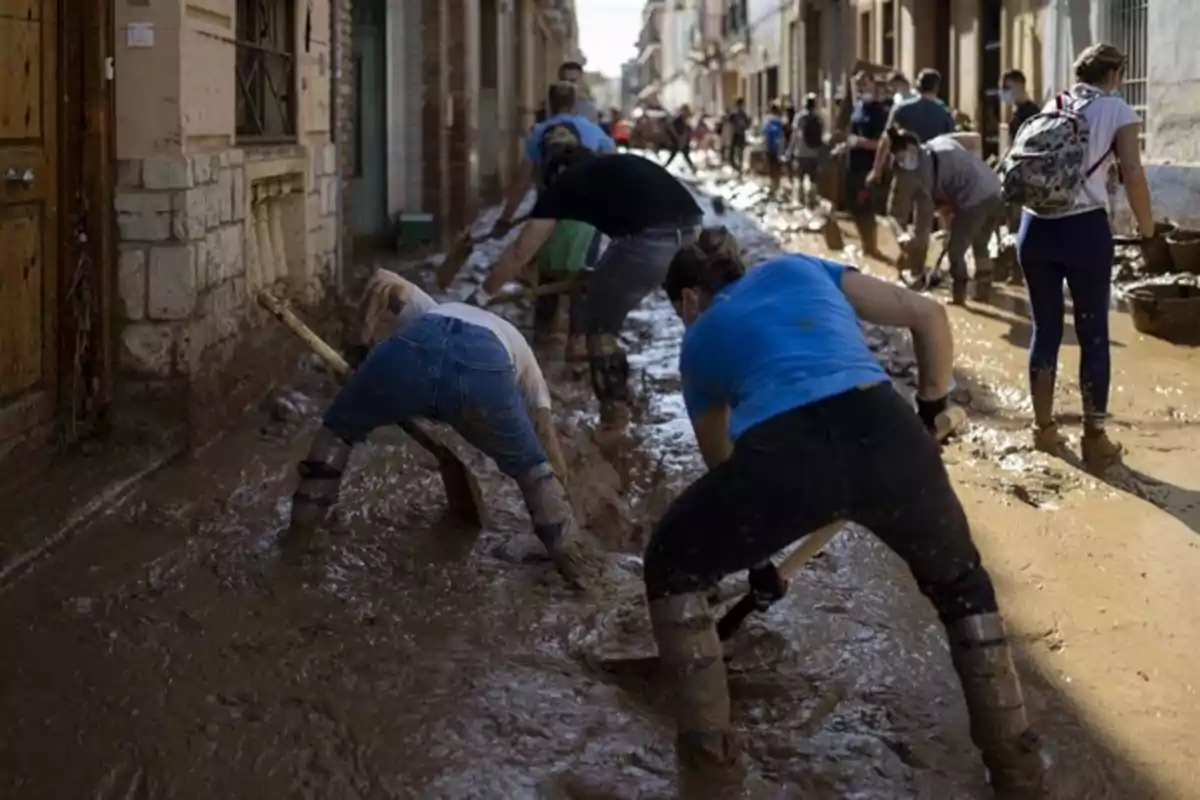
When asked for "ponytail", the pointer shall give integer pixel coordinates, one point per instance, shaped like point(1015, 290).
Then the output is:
point(710, 264)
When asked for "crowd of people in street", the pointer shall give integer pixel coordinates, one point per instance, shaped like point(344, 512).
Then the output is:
point(773, 403)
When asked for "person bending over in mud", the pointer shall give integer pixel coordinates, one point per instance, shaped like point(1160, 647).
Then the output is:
point(573, 245)
point(943, 173)
point(646, 212)
point(800, 426)
point(462, 366)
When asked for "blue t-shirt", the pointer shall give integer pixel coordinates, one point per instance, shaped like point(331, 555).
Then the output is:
point(773, 134)
point(591, 136)
point(782, 336)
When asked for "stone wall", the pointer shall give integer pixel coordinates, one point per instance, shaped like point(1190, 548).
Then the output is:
point(199, 235)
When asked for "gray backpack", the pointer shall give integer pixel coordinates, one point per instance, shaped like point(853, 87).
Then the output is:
point(1044, 170)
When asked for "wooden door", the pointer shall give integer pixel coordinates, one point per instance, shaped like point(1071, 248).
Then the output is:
point(29, 231)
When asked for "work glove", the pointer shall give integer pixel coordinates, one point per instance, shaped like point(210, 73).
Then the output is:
point(479, 298)
point(1157, 254)
point(928, 411)
point(766, 585)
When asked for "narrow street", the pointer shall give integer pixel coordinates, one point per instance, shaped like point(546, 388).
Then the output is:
point(172, 655)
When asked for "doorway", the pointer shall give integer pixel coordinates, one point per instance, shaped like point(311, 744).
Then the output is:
point(489, 101)
point(369, 186)
point(941, 45)
point(989, 76)
point(55, 223)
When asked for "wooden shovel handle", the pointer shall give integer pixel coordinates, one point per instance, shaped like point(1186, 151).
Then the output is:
point(278, 309)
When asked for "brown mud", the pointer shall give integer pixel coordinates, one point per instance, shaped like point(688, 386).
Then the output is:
point(166, 652)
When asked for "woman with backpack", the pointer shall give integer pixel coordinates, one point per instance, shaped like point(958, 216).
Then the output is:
point(1058, 170)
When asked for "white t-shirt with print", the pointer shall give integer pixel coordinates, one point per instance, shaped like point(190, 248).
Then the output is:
point(1105, 115)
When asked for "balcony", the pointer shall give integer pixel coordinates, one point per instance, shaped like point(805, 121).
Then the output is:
point(735, 26)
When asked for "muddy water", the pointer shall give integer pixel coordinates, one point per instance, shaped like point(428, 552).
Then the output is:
point(168, 653)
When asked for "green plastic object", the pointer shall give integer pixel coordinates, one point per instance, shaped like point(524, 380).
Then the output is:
point(415, 228)
point(566, 251)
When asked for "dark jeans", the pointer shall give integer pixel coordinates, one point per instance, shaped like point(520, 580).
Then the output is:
point(681, 149)
point(1077, 250)
point(628, 270)
point(862, 456)
point(736, 155)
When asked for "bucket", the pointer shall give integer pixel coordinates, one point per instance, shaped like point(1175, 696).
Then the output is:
point(1167, 311)
point(1184, 246)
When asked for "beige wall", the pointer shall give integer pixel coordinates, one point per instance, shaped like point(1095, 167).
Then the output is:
point(178, 96)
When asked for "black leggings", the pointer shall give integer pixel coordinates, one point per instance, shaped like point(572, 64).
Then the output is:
point(862, 456)
point(681, 149)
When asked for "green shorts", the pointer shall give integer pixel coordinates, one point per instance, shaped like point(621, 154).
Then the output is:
point(567, 249)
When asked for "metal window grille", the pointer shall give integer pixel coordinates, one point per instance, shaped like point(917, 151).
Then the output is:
point(1127, 25)
point(266, 70)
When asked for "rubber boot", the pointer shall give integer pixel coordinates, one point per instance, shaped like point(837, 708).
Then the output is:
point(693, 661)
point(999, 727)
point(1099, 452)
point(958, 292)
point(320, 483)
point(610, 379)
point(981, 289)
point(1046, 436)
point(576, 555)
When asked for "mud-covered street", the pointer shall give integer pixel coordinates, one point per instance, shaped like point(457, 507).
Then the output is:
point(164, 650)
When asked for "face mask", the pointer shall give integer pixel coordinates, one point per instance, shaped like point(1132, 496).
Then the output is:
point(1006, 96)
point(907, 161)
point(866, 96)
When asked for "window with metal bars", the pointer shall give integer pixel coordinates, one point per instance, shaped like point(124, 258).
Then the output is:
point(1127, 27)
point(266, 70)
point(888, 15)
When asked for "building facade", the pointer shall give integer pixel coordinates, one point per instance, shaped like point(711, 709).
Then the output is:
point(176, 157)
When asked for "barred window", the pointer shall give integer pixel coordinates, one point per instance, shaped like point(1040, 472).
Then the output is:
point(1127, 25)
point(266, 70)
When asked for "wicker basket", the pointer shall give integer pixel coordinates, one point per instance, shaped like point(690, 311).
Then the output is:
point(1168, 311)
point(1184, 246)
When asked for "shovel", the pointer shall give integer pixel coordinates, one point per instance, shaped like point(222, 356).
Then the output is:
point(463, 494)
point(458, 255)
point(948, 422)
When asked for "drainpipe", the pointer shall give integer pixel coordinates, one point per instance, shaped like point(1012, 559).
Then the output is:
point(335, 108)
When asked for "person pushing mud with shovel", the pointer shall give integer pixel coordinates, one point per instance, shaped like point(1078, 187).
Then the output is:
point(462, 366)
point(646, 212)
point(800, 427)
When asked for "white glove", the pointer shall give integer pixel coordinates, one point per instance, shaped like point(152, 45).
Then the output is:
point(852, 141)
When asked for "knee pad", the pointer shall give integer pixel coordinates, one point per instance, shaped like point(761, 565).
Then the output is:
point(610, 376)
point(547, 503)
point(321, 473)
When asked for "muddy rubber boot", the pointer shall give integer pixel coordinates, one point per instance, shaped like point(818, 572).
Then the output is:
point(316, 493)
point(577, 350)
point(693, 661)
point(1046, 436)
point(958, 293)
point(610, 380)
point(577, 557)
point(981, 290)
point(1099, 452)
point(992, 690)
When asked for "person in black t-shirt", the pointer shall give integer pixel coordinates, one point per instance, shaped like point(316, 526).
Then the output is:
point(1013, 92)
point(679, 138)
point(646, 213)
point(867, 124)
